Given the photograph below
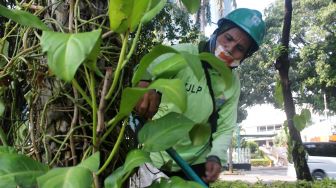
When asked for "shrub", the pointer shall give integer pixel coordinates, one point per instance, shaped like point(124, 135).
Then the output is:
point(261, 162)
point(275, 184)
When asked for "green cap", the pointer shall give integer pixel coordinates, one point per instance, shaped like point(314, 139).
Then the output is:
point(248, 20)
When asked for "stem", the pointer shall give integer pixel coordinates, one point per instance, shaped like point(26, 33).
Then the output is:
point(94, 109)
point(115, 148)
point(3, 137)
point(111, 124)
point(102, 103)
point(73, 123)
point(134, 42)
point(63, 143)
point(82, 92)
point(119, 67)
point(71, 15)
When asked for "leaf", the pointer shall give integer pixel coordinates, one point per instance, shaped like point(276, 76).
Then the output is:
point(191, 5)
point(66, 52)
point(2, 108)
point(172, 127)
point(190, 53)
point(175, 182)
point(139, 9)
point(91, 163)
point(305, 113)
point(4, 45)
point(200, 134)
point(129, 98)
point(135, 158)
point(119, 10)
point(70, 177)
point(186, 47)
point(194, 63)
point(148, 59)
point(278, 94)
point(156, 7)
point(219, 66)
point(299, 122)
point(23, 18)
point(7, 149)
point(19, 170)
point(173, 90)
point(115, 179)
point(167, 65)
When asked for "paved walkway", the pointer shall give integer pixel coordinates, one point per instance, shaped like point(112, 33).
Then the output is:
point(267, 174)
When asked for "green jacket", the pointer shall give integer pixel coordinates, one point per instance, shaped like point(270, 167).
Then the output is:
point(199, 108)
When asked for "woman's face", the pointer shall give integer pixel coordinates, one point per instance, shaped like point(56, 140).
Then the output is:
point(235, 42)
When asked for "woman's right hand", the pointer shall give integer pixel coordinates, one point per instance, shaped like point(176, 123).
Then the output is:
point(148, 105)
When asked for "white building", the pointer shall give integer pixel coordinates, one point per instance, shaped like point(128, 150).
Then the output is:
point(262, 124)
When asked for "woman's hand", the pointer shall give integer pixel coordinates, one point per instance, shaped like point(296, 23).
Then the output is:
point(213, 168)
point(148, 105)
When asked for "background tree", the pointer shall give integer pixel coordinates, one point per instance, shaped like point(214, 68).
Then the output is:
point(311, 48)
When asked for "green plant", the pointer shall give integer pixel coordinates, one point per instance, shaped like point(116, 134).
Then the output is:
point(80, 76)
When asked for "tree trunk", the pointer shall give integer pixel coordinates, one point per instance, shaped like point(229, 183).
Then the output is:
point(282, 65)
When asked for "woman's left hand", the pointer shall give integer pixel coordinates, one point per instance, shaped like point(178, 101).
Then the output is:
point(212, 171)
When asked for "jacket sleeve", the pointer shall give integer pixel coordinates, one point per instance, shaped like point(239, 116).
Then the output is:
point(226, 124)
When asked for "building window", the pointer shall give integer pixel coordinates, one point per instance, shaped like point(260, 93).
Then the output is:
point(270, 128)
point(261, 129)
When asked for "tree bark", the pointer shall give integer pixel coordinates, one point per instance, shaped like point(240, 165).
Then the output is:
point(282, 65)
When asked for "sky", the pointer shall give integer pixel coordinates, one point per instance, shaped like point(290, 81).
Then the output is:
point(252, 4)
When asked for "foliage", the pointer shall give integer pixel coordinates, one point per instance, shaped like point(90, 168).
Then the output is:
point(311, 54)
point(281, 139)
point(252, 145)
point(276, 184)
point(261, 162)
point(64, 105)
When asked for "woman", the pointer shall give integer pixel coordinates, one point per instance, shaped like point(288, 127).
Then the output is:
point(237, 37)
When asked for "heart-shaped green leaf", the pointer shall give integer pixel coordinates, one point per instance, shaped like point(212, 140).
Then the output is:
point(156, 7)
point(129, 98)
point(115, 179)
point(305, 113)
point(91, 163)
point(200, 134)
point(66, 52)
point(126, 14)
point(186, 47)
point(173, 90)
point(167, 65)
point(299, 122)
point(119, 11)
point(194, 63)
point(172, 127)
point(139, 9)
point(19, 170)
point(136, 158)
point(190, 53)
point(23, 18)
point(219, 66)
point(148, 59)
point(71, 177)
point(191, 5)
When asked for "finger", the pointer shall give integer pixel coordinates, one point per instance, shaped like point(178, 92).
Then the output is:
point(154, 104)
point(142, 107)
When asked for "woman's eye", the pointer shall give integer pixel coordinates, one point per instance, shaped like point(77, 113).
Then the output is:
point(228, 37)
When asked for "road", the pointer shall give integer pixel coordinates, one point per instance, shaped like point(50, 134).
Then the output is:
point(265, 174)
